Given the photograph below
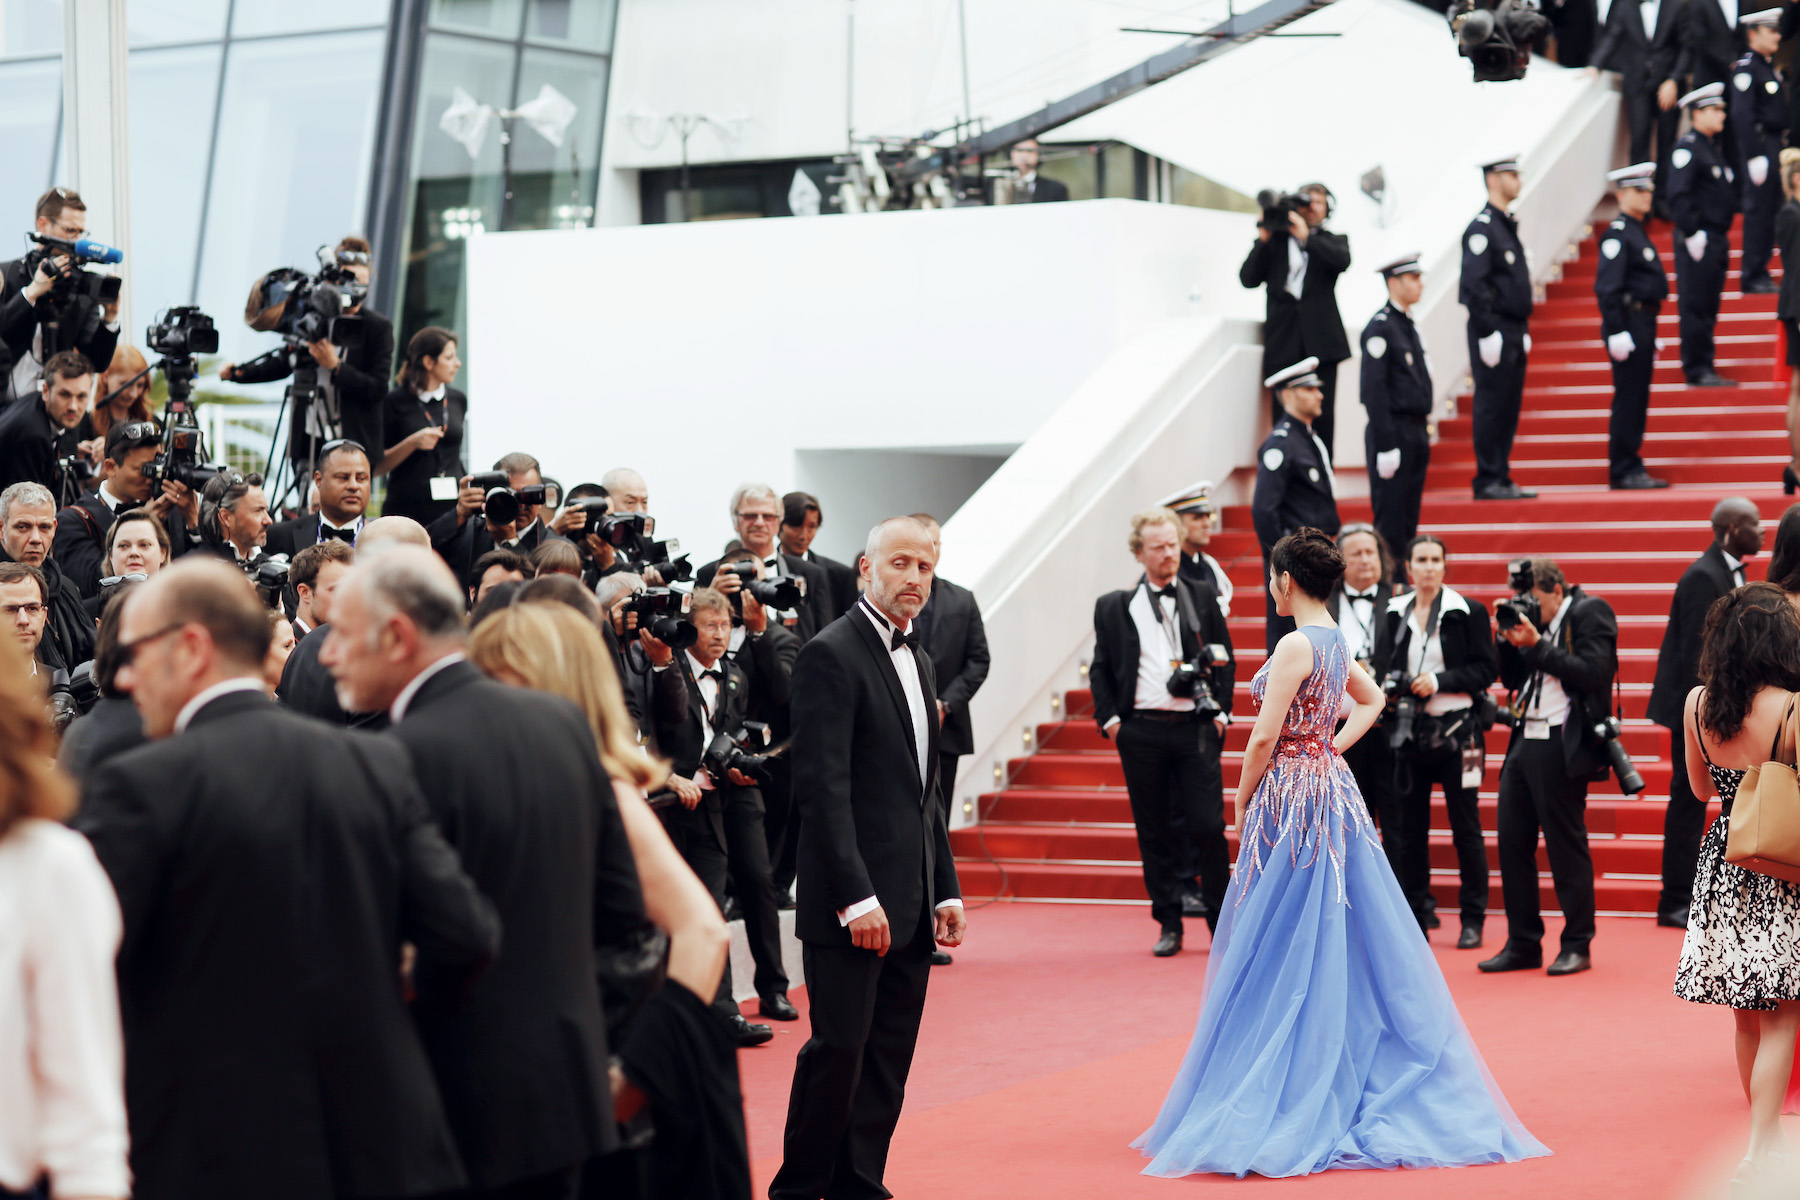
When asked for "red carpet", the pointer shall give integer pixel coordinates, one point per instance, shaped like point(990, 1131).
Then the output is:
point(1049, 1044)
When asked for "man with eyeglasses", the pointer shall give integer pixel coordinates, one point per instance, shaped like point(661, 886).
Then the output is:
point(36, 433)
point(23, 610)
point(81, 527)
point(30, 301)
point(342, 477)
point(756, 515)
point(27, 531)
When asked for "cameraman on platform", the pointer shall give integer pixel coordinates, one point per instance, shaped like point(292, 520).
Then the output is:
point(38, 318)
point(1559, 651)
point(38, 439)
point(81, 528)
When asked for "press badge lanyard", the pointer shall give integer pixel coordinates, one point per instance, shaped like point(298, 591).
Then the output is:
point(440, 483)
point(1536, 728)
point(1431, 628)
point(1172, 637)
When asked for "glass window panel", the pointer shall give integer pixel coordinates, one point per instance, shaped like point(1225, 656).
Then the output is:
point(30, 98)
point(497, 18)
point(554, 185)
point(30, 27)
point(577, 24)
point(163, 22)
point(296, 136)
point(1120, 171)
point(1202, 192)
point(172, 98)
point(253, 18)
point(1077, 167)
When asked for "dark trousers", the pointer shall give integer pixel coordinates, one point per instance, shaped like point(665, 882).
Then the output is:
point(743, 858)
point(1683, 825)
point(1576, 23)
point(1494, 412)
point(1275, 626)
point(1537, 793)
point(701, 844)
point(1645, 118)
point(1698, 285)
point(560, 1184)
point(781, 821)
point(1463, 806)
point(1371, 762)
point(1396, 501)
point(850, 1077)
point(1760, 203)
point(947, 785)
point(1177, 803)
point(1631, 393)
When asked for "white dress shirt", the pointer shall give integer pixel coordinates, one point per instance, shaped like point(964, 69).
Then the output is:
point(62, 1058)
point(907, 668)
point(1356, 617)
point(1296, 273)
point(243, 683)
point(1551, 705)
point(1425, 656)
point(1736, 567)
point(397, 711)
point(111, 501)
point(1649, 11)
point(709, 708)
point(1159, 648)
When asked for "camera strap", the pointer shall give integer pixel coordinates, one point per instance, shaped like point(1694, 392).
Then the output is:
point(1431, 629)
point(1171, 632)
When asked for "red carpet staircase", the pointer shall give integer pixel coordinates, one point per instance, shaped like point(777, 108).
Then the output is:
point(1060, 827)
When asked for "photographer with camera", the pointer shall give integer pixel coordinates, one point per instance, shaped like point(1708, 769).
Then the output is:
point(422, 430)
point(49, 303)
point(1496, 289)
point(507, 500)
point(1559, 652)
point(1163, 677)
point(1434, 659)
point(718, 824)
point(756, 515)
point(1498, 36)
point(1298, 261)
point(1630, 286)
point(127, 482)
point(38, 439)
point(27, 532)
point(654, 694)
point(342, 479)
point(801, 518)
point(1759, 122)
point(1295, 487)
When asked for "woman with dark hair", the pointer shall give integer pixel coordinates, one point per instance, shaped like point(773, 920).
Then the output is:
point(1436, 647)
point(1784, 555)
point(422, 428)
point(1743, 939)
point(1327, 1037)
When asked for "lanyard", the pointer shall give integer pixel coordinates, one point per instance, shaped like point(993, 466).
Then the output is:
point(1364, 629)
point(1431, 628)
point(1171, 635)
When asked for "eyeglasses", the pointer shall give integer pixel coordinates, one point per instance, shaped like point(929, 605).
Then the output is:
point(10, 611)
point(128, 651)
point(754, 518)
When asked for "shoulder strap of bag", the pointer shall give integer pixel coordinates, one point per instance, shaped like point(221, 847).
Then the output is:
point(1783, 749)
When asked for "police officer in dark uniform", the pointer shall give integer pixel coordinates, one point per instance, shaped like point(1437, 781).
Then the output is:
point(1396, 389)
point(1199, 522)
point(1631, 286)
point(1294, 484)
point(1760, 118)
point(1703, 197)
point(1496, 289)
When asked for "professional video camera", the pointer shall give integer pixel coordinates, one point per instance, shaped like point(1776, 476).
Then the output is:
point(178, 335)
point(501, 503)
point(785, 592)
point(1522, 605)
point(77, 294)
point(733, 751)
point(1277, 205)
point(309, 308)
point(664, 613)
point(1189, 680)
point(1498, 40)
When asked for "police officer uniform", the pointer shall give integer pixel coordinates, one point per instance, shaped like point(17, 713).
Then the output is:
point(1496, 289)
point(1396, 389)
point(1703, 198)
point(1294, 484)
point(1759, 116)
point(1201, 568)
point(1631, 286)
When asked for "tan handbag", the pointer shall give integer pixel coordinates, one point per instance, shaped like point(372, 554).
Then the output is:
point(1763, 834)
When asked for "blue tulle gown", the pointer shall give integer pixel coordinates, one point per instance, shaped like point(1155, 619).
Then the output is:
point(1327, 1036)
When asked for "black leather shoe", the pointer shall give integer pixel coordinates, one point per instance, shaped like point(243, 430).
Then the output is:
point(1470, 938)
point(941, 958)
point(1711, 378)
point(1504, 491)
point(1168, 945)
point(1673, 920)
point(1643, 481)
point(1568, 963)
point(733, 911)
point(1759, 287)
point(778, 1008)
point(1194, 905)
point(1431, 920)
point(750, 1035)
point(1512, 959)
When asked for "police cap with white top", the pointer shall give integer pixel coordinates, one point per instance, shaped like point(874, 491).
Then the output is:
point(1194, 498)
point(1301, 374)
point(1638, 175)
point(1508, 163)
point(1406, 264)
point(1768, 16)
point(1705, 96)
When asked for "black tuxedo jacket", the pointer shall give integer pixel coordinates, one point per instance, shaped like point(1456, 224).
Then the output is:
point(1678, 662)
point(1787, 241)
point(1114, 670)
point(867, 826)
point(1584, 656)
point(816, 613)
point(268, 868)
point(306, 687)
point(842, 579)
point(952, 632)
point(684, 742)
point(514, 779)
point(461, 547)
point(1643, 62)
point(111, 727)
point(1463, 632)
point(1384, 591)
point(28, 445)
point(292, 536)
point(1310, 326)
point(768, 665)
point(19, 322)
point(1709, 45)
point(80, 545)
point(361, 380)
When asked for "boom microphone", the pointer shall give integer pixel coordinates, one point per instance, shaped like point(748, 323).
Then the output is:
point(82, 248)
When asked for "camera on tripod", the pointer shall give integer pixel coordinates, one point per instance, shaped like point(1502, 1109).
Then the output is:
point(183, 332)
point(1190, 680)
point(1276, 206)
point(308, 308)
point(729, 752)
point(1498, 41)
point(502, 503)
point(178, 335)
point(783, 593)
point(1522, 605)
point(664, 613)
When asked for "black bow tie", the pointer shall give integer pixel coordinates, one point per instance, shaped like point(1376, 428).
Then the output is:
point(1168, 593)
point(715, 673)
point(904, 639)
point(327, 532)
point(1368, 595)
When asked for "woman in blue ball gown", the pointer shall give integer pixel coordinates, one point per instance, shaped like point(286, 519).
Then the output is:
point(1327, 1036)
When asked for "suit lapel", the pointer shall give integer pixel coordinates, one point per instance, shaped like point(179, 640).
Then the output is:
point(884, 666)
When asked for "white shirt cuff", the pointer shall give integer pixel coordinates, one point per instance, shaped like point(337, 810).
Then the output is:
point(860, 908)
point(1111, 723)
point(953, 902)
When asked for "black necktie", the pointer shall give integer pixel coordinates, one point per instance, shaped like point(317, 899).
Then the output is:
point(327, 532)
point(904, 639)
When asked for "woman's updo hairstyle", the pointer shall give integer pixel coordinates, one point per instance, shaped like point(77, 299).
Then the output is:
point(1311, 559)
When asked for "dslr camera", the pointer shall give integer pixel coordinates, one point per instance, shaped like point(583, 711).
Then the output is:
point(783, 593)
point(1402, 705)
point(1606, 732)
point(1498, 36)
point(664, 613)
point(1522, 605)
point(502, 504)
point(268, 574)
point(738, 751)
point(1189, 680)
point(1276, 205)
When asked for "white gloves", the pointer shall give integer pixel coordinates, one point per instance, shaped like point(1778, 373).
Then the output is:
point(1528, 343)
point(1621, 346)
point(1387, 462)
point(1490, 348)
point(1759, 169)
point(1696, 245)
